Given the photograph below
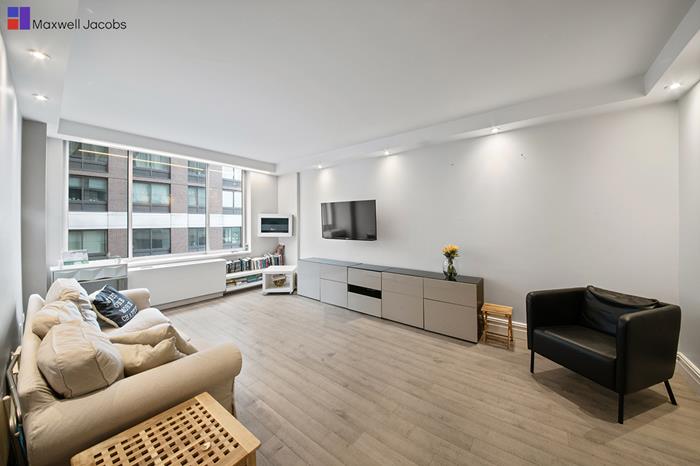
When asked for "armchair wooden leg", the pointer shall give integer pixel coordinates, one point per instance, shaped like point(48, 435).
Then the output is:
point(670, 392)
point(620, 408)
point(532, 361)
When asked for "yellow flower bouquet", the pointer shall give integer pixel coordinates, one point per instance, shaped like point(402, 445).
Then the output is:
point(448, 268)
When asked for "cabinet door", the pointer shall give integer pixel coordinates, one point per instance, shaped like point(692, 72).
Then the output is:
point(337, 273)
point(452, 320)
point(446, 291)
point(335, 293)
point(403, 284)
point(402, 308)
point(365, 278)
point(365, 304)
point(308, 282)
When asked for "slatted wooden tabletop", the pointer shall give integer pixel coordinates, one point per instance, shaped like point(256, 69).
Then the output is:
point(197, 432)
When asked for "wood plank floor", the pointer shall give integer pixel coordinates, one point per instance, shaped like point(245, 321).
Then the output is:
point(328, 386)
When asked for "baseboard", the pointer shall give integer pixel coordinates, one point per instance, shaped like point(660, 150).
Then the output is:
point(691, 369)
point(185, 302)
point(500, 325)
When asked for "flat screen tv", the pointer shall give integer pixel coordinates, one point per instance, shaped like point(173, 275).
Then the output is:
point(356, 220)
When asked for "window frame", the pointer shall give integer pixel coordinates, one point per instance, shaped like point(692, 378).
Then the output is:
point(156, 170)
point(197, 209)
point(78, 162)
point(84, 186)
point(150, 240)
point(149, 207)
point(196, 230)
point(223, 236)
point(92, 256)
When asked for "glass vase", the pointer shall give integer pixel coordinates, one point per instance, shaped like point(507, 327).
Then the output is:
point(448, 268)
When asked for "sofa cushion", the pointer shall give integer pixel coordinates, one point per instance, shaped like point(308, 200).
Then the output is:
point(68, 289)
point(144, 319)
point(603, 308)
point(75, 359)
point(140, 358)
point(152, 336)
point(589, 352)
point(112, 307)
point(54, 313)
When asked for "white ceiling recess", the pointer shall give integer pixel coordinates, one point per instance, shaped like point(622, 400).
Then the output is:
point(295, 84)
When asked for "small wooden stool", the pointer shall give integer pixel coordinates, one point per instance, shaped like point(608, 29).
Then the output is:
point(505, 312)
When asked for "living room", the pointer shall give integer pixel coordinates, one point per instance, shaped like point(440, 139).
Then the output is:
point(459, 232)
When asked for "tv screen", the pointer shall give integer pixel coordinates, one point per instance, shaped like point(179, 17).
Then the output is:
point(355, 220)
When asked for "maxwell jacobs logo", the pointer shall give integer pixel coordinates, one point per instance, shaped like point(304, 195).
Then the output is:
point(19, 17)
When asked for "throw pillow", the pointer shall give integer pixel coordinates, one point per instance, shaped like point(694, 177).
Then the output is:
point(140, 358)
point(144, 319)
point(113, 308)
point(154, 335)
point(57, 312)
point(68, 289)
point(603, 308)
point(75, 359)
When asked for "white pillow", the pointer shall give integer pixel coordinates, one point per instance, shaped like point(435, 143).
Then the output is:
point(68, 289)
point(140, 358)
point(144, 319)
point(152, 336)
point(54, 313)
point(75, 359)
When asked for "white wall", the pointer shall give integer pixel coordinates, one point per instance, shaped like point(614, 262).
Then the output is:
point(689, 131)
point(288, 203)
point(56, 201)
point(261, 197)
point(11, 310)
point(585, 201)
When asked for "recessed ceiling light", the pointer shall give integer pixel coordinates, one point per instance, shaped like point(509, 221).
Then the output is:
point(386, 151)
point(673, 86)
point(319, 166)
point(40, 97)
point(39, 55)
point(495, 130)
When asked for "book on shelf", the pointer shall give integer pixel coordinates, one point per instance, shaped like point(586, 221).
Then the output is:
point(245, 264)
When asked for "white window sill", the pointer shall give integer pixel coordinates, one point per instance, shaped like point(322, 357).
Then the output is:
point(157, 260)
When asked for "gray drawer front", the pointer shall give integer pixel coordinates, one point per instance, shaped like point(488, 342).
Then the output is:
point(365, 278)
point(403, 284)
point(463, 294)
point(308, 283)
point(452, 320)
point(335, 293)
point(337, 273)
point(402, 308)
point(365, 304)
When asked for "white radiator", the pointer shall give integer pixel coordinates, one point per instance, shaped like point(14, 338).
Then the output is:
point(180, 282)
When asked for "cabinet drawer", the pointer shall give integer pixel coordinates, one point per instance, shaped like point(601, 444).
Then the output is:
point(365, 278)
point(402, 308)
point(452, 320)
point(308, 279)
point(335, 293)
point(446, 291)
point(365, 304)
point(403, 284)
point(336, 273)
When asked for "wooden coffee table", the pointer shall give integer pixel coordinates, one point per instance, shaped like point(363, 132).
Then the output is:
point(198, 431)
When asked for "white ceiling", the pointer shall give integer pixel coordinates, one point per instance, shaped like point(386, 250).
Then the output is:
point(281, 80)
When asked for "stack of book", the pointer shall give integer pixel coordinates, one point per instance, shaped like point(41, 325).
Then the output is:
point(253, 263)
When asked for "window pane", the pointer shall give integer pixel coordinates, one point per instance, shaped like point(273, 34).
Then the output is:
point(192, 196)
point(160, 194)
point(141, 239)
point(202, 197)
point(227, 173)
point(97, 183)
point(75, 191)
point(75, 240)
point(141, 193)
point(196, 239)
point(94, 242)
point(237, 199)
point(227, 199)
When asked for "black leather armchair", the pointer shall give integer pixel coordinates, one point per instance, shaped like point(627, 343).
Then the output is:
point(625, 343)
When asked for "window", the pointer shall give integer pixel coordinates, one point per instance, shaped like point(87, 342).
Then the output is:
point(196, 172)
point(151, 197)
point(232, 237)
point(151, 242)
point(196, 200)
point(151, 165)
point(95, 241)
point(196, 239)
point(87, 193)
point(140, 204)
point(88, 157)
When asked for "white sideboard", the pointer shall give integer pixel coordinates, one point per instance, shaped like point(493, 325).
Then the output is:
point(413, 297)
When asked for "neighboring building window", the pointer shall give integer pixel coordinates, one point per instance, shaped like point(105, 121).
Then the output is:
point(232, 202)
point(232, 237)
point(151, 241)
point(151, 197)
point(88, 157)
point(151, 165)
point(196, 199)
point(87, 193)
point(196, 239)
point(196, 172)
point(95, 241)
point(231, 177)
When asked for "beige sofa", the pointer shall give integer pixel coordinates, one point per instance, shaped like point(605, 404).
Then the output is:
point(56, 429)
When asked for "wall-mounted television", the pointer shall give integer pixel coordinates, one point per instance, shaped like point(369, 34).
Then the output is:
point(356, 220)
point(275, 225)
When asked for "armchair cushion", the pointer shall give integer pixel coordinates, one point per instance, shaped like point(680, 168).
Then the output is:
point(603, 308)
point(589, 352)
